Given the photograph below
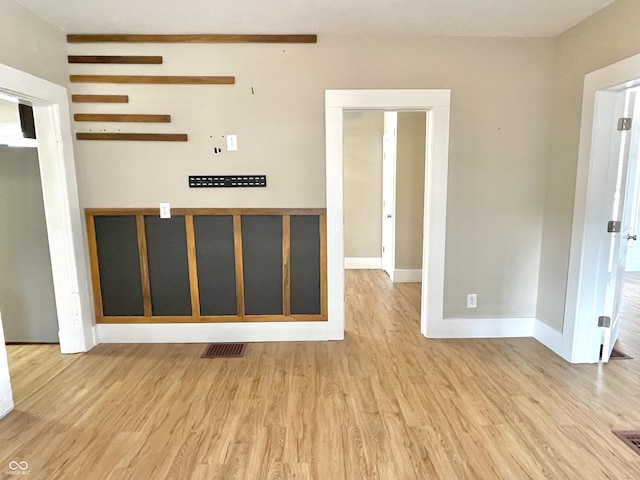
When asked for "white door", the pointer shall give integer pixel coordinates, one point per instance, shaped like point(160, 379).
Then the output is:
point(388, 202)
point(622, 168)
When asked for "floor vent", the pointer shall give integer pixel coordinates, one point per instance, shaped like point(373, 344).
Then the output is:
point(224, 350)
point(630, 437)
point(618, 355)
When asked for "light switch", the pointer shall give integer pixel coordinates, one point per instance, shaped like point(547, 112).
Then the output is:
point(232, 143)
point(165, 210)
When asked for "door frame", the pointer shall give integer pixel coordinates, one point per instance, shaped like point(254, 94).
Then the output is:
point(581, 337)
point(392, 224)
point(437, 105)
point(61, 205)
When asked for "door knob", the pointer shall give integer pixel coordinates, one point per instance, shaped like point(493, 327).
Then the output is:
point(389, 216)
point(632, 237)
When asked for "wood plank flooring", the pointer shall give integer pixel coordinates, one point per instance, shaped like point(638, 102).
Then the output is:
point(629, 341)
point(384, 404)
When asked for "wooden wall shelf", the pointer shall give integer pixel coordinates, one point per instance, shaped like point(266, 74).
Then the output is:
point(203, 38)
point(153, 79)
point(105, 117)
point(100, 98)
point(116, 59)
point(141, 137)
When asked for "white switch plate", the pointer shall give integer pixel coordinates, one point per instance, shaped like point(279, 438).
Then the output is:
point(232, 143)
point(472, 300)
point(165, 210)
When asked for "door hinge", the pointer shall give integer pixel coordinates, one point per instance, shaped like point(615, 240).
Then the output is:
point(614, 226)
point(604, 322)
point(624, 124)
point(382, 249)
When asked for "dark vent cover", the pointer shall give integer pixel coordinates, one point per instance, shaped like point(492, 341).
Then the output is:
point(618, 355)
point(224, 350)
point(630, 437)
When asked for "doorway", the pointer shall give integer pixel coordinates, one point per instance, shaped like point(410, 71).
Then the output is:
point(27, 298)
point(62, 209)
point(587, 326)
point(388, 220)
point(383, 224)
point(437, 105)
point(62, 213)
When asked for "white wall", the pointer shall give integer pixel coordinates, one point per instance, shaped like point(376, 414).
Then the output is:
point(410, 190)
point(605, 38)
point(27, 298)
point(32, 45)
point(363, 132)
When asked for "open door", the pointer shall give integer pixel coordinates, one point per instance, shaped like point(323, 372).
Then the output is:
point(388, 203)
point(613, 248)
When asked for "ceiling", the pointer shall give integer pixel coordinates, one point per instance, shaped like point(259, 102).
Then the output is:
point(519, 18)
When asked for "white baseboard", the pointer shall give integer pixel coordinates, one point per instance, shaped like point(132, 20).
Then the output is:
point(481, 328)
point(212, 332)
point(407, 276)
point(549, 337)
point(5, 412)
point(363, 263)
point(6, 398)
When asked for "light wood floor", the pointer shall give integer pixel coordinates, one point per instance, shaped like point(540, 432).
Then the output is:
point(629, 341)
point(384, 404)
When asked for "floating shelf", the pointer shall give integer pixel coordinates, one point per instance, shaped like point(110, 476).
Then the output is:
point(152, 79)
point(203, 38)
point(116, 59)
point(142, 137)
point(100, 98)
point(104, 117)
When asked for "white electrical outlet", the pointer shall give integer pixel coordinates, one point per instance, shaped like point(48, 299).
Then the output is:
point(472, 300)
point(232, 143)
point(165, 210)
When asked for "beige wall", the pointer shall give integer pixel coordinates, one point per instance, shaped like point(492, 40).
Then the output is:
point(514, 135)
point(605, 38)
point(363, 183)
point(500, 106)
point(27, 299)
point(32, 45)
point(410, 189)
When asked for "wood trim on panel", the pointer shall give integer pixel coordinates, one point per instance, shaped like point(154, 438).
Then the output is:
point(116, 59)
point(285, 318)
point(323, 265)
point(193, 38)
point(100, 98)
point(144, 266)
point(193, 268)
point(120, 117)
point(139, 137)
point(286, 265)
point(213, 319)
point(154, 79)
point(208, 211)
point(94, 265)
point(237, 247)
point(237, 213)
